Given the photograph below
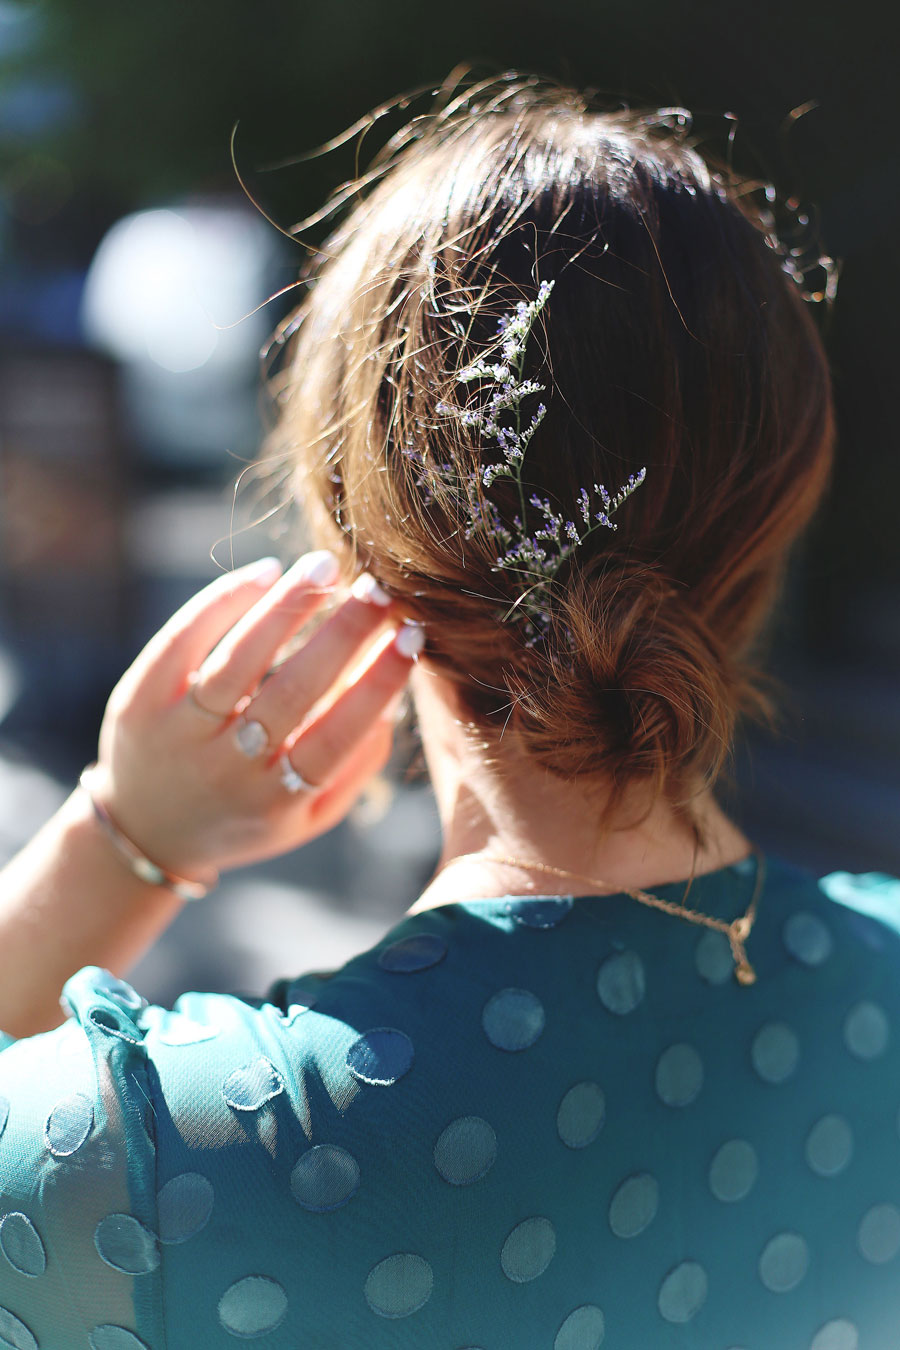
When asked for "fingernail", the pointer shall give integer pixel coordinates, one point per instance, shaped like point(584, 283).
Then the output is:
point(367, 589)
point(263, 572)
point(320, 568)
point(410, 639)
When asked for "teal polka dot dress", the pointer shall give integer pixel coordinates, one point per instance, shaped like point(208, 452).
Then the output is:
point(550, 1123)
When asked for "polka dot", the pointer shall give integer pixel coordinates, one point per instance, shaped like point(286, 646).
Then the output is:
point(713, 958)
point(581, 1114)
point(583, 1329)
point(399, 1286)
point(465, 1150)
point(4, 1113)
point(14, 1335)
point(783, 1262)
point(879, 1234)
point(184, 1205)
point(829, 1146)
point(528, 1250)
point(544, 913)
point(733, 1170)
point(837, 1335)
point(417, 952)
point(109, 1337)
point(513, 1019)
point(679, 1075)
point(775, 1052)
point(634, 1205)
point(621, 982)
point(252, 1306)
point(21, 1245)
point(324, 1178)
point(176, 1029)
point(807, 939)
point(381, 1056)
point(250, 1087)
point(683, 1292)
point(126, 1245)
point(68, 1125)
point(866, 1031)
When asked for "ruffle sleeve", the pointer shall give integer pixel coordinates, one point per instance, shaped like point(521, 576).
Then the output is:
point(79, 1252)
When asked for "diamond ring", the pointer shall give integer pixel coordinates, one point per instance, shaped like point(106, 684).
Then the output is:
point(292, 780)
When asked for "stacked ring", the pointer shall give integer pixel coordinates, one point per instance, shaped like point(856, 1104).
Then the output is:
point(252, 738)
point(207, 712)
point(292, 780)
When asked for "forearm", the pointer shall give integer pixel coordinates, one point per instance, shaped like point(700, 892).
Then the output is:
point(67, 901)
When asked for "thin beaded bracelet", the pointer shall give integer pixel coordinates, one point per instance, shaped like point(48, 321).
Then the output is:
point(136, 861)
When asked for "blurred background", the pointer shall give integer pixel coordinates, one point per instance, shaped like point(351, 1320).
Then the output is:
point(129, 379)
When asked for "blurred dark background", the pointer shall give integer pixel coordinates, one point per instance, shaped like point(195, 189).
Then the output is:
point(129, 254)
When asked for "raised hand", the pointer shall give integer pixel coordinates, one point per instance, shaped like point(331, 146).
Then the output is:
point(215, 753)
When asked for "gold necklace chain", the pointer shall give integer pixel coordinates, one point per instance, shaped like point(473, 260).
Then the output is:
point(737, 931)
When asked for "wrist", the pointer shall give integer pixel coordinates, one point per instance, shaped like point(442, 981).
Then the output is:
point(129, 853)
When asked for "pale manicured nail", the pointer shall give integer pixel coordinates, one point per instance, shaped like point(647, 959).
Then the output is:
point(319, 569)
point(366, 588)
point(410, 639)
point(264, 572)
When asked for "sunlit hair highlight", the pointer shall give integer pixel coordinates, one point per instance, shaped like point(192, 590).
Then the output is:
point(675, 338)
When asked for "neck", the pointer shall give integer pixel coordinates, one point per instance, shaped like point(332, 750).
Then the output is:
point(500, 805)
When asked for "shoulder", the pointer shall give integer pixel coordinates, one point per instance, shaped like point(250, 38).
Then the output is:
point(874, 894)
point(861, 910)
point(856, 905)
point(236, 1122)
point(121, 1132)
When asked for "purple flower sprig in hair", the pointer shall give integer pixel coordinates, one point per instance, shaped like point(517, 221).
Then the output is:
point(540, 556)
point(535, 554)
point(504, 401)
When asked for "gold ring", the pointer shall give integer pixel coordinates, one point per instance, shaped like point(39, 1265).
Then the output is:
point(193, 679)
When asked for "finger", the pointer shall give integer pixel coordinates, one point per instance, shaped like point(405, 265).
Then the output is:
point(248, 650)
point(320, 750)
point(186, 639)
point(329, 806)
point(290, 694)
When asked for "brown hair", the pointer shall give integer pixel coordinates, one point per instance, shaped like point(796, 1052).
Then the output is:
point(673, 339)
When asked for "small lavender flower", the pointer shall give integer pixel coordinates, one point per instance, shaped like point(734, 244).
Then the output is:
point(535, 555)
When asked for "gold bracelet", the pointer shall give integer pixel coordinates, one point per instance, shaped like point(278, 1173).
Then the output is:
point(138, 862)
